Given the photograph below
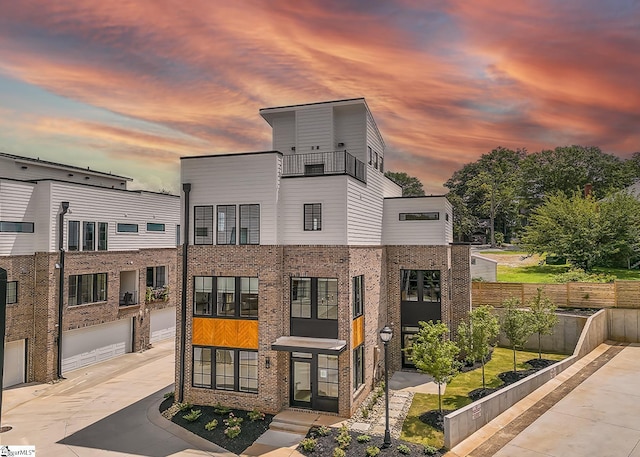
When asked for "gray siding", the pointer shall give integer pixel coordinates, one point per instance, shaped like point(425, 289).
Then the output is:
point(350, 129)
point(284, 133)
point(314, 127)
point(18, 204)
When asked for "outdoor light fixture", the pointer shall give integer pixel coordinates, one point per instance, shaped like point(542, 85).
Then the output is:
point(385, 335)
point(267, 362)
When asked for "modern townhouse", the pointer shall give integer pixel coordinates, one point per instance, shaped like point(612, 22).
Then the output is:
point(91, 267)
point(294, 259)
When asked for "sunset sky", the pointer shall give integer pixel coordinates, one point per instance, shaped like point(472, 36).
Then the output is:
point(131, 86)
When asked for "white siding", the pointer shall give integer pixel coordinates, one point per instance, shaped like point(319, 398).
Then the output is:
point(13, 168)
point(233, 180)
point(331, 192)
point(18, 203)
point(435, 232)
point(364, 210)
point(314, 127)
point(484, 268)
point(390, 189)
point(350, 129)
point(284, 132)
point(94, 204)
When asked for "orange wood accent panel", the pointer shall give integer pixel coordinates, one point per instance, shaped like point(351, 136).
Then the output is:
point(357, 332)
point(233, 333)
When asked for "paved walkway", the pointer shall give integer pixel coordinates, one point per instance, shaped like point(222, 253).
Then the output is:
point(102, 410)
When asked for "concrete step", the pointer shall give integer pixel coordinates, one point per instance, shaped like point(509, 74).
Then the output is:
point(289, 427)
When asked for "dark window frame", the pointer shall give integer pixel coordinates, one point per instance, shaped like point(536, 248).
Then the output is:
point(420, 216)
point(421, 275)
point(88, 236)
point(312, 213)
point(240, 308)
point(358, 366)
point(157, 276)
point(226, 235)
point(314, 298)
point(17, 227)
point(202, 220)
point(77, 281)
point(203, 363)
point(357, 283)
point(252, 234)
point(12, 292)
point(238, 379)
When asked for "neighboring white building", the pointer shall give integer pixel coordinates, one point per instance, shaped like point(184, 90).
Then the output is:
point(484, 268)
point(108, 244)
point(297, 257)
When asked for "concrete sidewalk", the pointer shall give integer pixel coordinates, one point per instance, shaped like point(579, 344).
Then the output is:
point(107, 409)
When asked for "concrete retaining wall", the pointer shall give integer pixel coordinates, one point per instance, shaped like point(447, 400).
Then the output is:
point(624, 325)
point(463, 422)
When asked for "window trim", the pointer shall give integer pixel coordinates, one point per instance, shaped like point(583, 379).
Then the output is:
point(18, 227)
point(14, 296)
point(126, 226)
point(310, 210)
point(155, 227)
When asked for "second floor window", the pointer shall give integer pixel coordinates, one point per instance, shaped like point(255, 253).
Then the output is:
point(88, 236)
point(312, 216)
point(249, 224)
point(314, 298)
point(17, 227)
point(226, 224)
point(420, 285)
point(203, 225)
point(358, 296)
point(226, 296)
point(88, 288)
point(156, 277)
point(103, 230)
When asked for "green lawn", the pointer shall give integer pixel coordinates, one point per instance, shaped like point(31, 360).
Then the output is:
point(544, 273)
point(503, 252)
point(455, 395)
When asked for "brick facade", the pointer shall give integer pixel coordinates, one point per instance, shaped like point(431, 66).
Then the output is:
point(275, 265)
point(35, 316)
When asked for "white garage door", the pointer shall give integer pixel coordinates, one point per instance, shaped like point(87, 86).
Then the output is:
point(89, 345)
point(14, 363)
point(163, 324)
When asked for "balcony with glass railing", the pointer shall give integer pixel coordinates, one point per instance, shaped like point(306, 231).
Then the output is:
point(323, 163)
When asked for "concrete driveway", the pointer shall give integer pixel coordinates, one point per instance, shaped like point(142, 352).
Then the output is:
point(106, 409)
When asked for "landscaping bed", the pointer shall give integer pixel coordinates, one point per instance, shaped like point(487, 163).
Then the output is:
point(250, 430)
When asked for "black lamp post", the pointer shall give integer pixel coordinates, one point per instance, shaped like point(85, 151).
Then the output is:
point(385, 335)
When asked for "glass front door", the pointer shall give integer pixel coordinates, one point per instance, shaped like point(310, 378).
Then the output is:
point(301, 383)
point(314, 381)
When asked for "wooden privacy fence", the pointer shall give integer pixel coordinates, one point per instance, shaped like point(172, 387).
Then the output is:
point(619, 294)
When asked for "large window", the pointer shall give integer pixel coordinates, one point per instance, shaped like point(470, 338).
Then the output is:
point(88, 236)
point(103, 230)
point(17, 227)
point(12, 292)
point(358, 296)
point(420, 285)
point(327, 298)
point(234, 296)
point(203, 225)
point(249, 224)
point(358, 367)
point(226, 224)
point(300, 297)
point(230, 369)
point(315, 298)
point(201, 367)
point(89, 288)
point(156, 277)
point(313, 216)
point(73, 236)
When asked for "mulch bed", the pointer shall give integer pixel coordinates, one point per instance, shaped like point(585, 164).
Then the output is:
point(326, 444)
point(251, 430)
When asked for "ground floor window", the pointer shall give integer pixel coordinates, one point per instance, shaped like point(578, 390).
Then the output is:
point(358, 367)
point(328, 375)
point(225, 369)
point(12, 292)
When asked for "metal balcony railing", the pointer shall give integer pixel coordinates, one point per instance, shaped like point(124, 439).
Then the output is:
point(323, 163)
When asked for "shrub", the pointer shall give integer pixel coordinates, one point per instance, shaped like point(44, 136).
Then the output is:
point(365, 413)
point(221, 410)
point(211, 425)
point(363, 438)
point(430, 450)
point(323, 430)
point(233, 421)
point(184, 406)
point(309, 444)
point(373, 451)
point(344, 438)
point(232, 432)
point(579, 275)
point(169, 394)
point(193, 416)
point(255, 415)
point(404, 449)
point(338, 452)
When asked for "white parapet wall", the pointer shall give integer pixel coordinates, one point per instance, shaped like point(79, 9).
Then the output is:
point(463, 422)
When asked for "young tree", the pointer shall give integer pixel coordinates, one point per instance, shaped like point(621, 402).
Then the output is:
point(516, 325)
point(476, 338)
point(434, 354)
point(543, 317)
point(411, 186)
